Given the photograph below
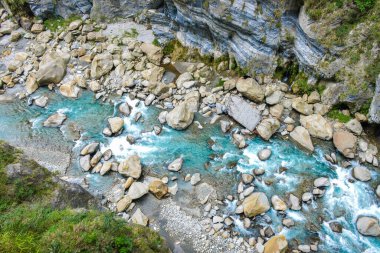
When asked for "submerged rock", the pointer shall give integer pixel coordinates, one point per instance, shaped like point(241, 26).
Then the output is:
point(243, 112)
point(368, 226)
point(255, 204)
point(264, 154)
point(55, 120)
point(176, 165)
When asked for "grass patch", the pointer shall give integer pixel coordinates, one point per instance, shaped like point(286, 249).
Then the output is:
point(156, 42)
point(132, 34)
point(29, 223)
point(18, 7)
point(55, 24)
point(338, 115)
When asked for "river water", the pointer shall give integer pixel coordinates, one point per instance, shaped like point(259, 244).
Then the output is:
point(205, 150)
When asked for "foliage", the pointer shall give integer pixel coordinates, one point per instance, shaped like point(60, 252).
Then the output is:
point(55, 24)
point(19, 7)
point(220, 83)
point(156, 42)
point(338, 115)
point(364, 5)
point(28, 223)
point(132, 34)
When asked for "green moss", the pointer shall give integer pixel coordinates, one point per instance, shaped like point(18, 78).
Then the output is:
point(132, 34)
point(55, 24)
point(373, 70)
point(365, 108)
point(156, 42)
point(338, 115)
point(301, 86)
point(220, 83)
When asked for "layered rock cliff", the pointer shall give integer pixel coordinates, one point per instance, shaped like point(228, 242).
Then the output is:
point(260, 35)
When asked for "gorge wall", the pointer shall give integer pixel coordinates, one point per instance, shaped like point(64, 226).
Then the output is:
point(258, 34)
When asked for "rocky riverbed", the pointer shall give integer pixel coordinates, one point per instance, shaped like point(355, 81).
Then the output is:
point(215, 163)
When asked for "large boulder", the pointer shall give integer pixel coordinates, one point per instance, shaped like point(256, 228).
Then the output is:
point(101, 64)
point(116, 124)
point(345, 142)
point(255, 204)
point(69, 90)
point(302, 137)
point(278, 203)
point(368, 226)
point(361, 173)
point(268, 127)
point(181, 116)
point(158, 189)
point(250, 89)
point(123, 204)
point(52, 68)
point(153, 53)
point(354, 126)
point(302, 106)
point(243, 112)
point(131, 167)
point(137, 190)
point(276, 244)
point(317, 126)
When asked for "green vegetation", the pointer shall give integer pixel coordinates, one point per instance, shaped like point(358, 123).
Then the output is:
point(29, 223)
point(156, 42)
point(19, 7)
point(357, 35)
point(220, 83)
point(132, 34)
point(55, 24)
point(338, 115)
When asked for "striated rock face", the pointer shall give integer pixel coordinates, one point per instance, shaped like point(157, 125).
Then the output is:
point(252, 31)
point(121, 8)
point(63, 8)
point(374, 111)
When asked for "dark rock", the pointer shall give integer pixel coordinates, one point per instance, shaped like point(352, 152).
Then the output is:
point(62, 8)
